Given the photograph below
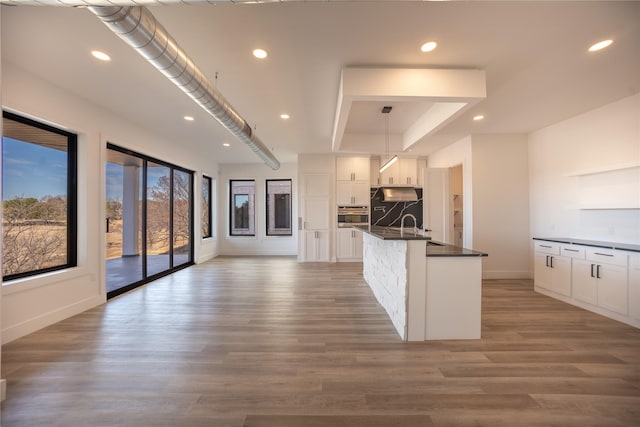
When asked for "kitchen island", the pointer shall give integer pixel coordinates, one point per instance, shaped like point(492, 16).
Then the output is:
point(430, 290)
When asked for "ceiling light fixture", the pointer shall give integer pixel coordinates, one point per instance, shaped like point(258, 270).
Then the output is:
point(100, 55)
point(226, 144)
point(478, 117)
point(600, 45)
point(390, 160)
point(260, 53)
point(189, 118)
point(428, 46)
point(285, 116)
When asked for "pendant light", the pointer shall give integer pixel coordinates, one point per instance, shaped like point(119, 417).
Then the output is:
point(390, 160)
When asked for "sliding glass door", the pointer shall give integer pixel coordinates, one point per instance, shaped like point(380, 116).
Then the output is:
point(149, 219)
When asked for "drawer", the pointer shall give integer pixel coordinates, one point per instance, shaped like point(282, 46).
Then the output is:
point(551, 248)
point(573, 251)
point(607, 256)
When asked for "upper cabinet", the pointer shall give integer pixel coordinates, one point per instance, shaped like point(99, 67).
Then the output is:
point(404, 172)
point(352, 168)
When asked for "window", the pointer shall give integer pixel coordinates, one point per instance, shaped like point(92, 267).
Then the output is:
point(279, 207)
point(242, 207)
point(207, 217)
point(38, 198)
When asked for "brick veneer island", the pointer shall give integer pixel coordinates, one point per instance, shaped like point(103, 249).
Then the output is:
point(430, 290)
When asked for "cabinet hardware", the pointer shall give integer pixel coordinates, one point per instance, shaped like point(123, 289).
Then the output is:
point(546, 262)
point(408, 180)
point(551, 262)
point(545, 246)
point(598, 253)
point(598, 271)
point(571, 250)
point(315, 234)
point(592, 270)
point(390, 180)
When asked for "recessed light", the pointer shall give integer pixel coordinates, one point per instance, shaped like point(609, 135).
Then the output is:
point(600, 45)
point(260, 53)
point(188, 118)
point(285, 116)
point(226, 144)
point(478, 117)
point(100, 55)
point(428, 46)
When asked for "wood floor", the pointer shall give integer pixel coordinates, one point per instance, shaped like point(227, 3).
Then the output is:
point(270, 342)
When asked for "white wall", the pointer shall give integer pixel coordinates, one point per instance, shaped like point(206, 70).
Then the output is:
point(32, 303)
point(501, 204)
point(600, 139)
point(495, 188)
point(260, 244)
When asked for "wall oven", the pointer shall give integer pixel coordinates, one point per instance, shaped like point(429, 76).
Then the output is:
point(353, 215)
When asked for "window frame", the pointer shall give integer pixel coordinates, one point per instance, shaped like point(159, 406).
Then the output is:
point(252, 218)
point(207, 234)
point(72, 196)
point(266, 186)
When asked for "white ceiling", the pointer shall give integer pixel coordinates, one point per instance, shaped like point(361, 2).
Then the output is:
point(534, 54)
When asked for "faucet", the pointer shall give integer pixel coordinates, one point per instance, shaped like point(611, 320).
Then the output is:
point(415, 224)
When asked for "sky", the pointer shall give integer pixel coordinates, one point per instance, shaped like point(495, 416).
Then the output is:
point(31, 170)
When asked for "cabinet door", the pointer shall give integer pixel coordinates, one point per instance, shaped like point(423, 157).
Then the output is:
point(561, 274)
point(316, 213)
point(391, 175)
point(357, 244)
point(584, 286)
point(361, 193)
point(344, 193)
point(408, 172)
point(612, 287)
point(634, 286)
point(317, 245)
point(541, 272)
point(344, 171)
point(360, 167)
point(344, 243)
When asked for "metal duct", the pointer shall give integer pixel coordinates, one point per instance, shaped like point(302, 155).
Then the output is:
point(140, 29)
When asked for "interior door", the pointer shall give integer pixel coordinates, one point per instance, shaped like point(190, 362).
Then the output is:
point(437, 210)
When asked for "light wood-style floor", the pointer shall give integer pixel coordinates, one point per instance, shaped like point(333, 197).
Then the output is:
point(270, 342)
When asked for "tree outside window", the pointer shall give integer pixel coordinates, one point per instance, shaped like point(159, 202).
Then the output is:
point(242, 207)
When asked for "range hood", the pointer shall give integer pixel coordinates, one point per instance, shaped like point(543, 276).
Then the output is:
point(399, 194)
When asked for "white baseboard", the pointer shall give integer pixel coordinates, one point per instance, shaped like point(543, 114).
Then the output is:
point(501, 274)
point(3, 390)
point(34, 324)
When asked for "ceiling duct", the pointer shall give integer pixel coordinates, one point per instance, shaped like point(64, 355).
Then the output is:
point(140, 29)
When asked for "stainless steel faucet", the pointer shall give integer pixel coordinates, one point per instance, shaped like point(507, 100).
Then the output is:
point(415, 223)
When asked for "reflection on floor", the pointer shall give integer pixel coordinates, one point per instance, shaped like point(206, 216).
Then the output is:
point(126, 270)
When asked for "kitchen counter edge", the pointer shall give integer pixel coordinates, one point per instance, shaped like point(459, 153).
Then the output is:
point(596, 243)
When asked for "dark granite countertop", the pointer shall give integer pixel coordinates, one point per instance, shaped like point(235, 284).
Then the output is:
point(438, 249)
point(434, 249)
point(596, 243)
point(391, 233)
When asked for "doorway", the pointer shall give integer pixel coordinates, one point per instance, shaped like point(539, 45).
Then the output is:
point(456, 199)
point(149, 226)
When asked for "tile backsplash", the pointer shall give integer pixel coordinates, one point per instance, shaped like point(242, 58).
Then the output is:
point(388, 214)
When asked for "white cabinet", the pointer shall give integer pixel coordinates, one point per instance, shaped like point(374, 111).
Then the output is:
point(404, 172)
point(316, 245)
point(552, 271)
point(634, 287)
point(349, 242)
point(601, 283)
point(315, 217)
point(352, 169)
point(355, 193)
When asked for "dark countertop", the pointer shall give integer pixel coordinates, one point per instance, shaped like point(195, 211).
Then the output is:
point(438, 249)
point(434, 249)
point(596, 243)
point(390, 233)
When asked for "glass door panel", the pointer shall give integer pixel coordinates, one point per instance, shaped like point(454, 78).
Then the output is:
point(181, 217)
point(158, 211)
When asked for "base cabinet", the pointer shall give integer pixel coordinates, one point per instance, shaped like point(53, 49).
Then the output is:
point(602, 280)
point(316, 245)
point(349, 242)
